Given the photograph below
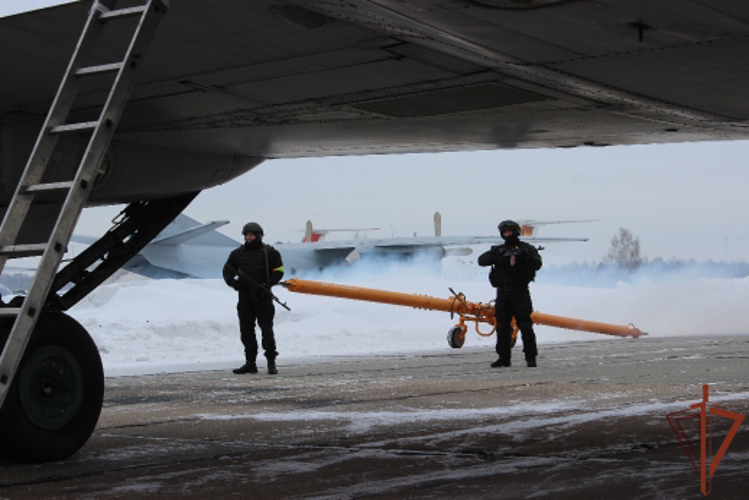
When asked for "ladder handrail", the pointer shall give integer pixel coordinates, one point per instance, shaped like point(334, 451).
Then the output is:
point(79, 188)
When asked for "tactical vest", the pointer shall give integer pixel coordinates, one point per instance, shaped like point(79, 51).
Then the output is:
point(254, 263)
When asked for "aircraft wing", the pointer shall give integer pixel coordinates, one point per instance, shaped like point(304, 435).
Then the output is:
point(416, 243)
point(319, 255)
point(413, 243)
point(443, 241)
point(195, 233)
point(186, 248)
point(272, 79)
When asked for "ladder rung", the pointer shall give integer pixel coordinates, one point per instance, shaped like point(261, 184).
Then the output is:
point(96, 70)
point(9, 311)
point(73, 127)
point(50, 186)
point(18, 251)
point(130, 11)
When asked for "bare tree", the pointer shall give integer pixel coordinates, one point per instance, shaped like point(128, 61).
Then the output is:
point(624, 251)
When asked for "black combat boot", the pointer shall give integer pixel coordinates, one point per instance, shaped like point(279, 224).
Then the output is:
point(501, 363)
point(272, 370)
point(248, 367)
point(531, 362)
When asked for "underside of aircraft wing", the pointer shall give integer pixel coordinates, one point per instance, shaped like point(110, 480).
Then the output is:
point(227, 84)
point(273, 79)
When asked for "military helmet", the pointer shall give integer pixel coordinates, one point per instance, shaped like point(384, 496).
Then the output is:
point(252, 227)
point(511, 225)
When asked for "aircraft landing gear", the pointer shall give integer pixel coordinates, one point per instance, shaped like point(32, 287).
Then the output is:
point(56, 396)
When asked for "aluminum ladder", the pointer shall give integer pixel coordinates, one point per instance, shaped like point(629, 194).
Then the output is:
point(76, 190)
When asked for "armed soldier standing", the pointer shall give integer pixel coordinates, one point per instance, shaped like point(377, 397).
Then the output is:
point(251, 270)
point(514, 266)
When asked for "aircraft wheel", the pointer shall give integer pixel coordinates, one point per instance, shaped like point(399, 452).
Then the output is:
point(456, 337)
point(55, 399)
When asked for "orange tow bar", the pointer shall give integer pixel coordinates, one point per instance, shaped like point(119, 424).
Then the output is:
point(467, 311)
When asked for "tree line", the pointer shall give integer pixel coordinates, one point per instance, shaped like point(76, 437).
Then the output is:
point(625, 262)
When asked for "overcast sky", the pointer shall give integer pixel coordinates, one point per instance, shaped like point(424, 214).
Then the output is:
point(682, 201)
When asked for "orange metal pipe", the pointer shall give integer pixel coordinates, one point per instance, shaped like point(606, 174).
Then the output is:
point(383, 296)
point(585, 325)
point(479, 311)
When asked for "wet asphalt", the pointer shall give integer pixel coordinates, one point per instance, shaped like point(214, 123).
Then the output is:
point(589, 421)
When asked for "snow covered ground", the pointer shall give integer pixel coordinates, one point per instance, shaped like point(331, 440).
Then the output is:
point(153, 326)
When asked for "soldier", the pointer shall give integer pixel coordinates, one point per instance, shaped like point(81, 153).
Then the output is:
point(514, 266)
point(251, 270)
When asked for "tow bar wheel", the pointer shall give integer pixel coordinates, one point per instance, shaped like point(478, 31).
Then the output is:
point(456, 337)
point(55, 399)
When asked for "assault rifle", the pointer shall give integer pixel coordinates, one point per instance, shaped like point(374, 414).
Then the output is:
point(243, 277)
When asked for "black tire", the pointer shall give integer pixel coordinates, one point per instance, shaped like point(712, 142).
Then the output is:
point(55, 399)
point(456, 337)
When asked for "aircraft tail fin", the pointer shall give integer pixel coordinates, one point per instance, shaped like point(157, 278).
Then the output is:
point(307, 232)
point(527, 230)
point(312, 235)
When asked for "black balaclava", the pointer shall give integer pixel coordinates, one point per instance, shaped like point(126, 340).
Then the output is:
point(256, 243)
point(512, 239)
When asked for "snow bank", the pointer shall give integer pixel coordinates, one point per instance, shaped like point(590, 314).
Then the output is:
point(170, 325)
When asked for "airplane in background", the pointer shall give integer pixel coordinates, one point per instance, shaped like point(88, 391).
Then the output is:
point(187, 248)
point(224, 85)
point(314, 253)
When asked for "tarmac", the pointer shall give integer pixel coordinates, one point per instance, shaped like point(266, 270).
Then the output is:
point(588, 422)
